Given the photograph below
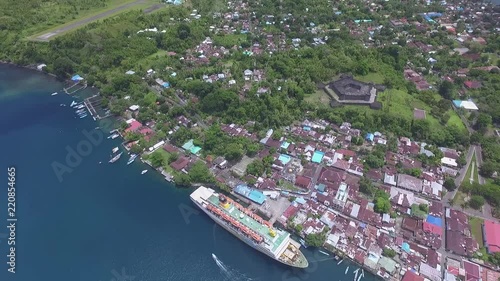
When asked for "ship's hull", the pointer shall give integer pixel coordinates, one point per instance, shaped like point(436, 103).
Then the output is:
point(240, 236)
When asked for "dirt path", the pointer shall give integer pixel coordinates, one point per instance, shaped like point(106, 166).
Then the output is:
point(49, 35)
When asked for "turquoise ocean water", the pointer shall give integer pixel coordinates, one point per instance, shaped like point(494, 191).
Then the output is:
point(107, 222)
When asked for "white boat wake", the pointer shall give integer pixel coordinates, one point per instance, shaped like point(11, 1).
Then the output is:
point(229, 273)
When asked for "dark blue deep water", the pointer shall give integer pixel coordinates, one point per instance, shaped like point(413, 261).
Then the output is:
point(106, 222)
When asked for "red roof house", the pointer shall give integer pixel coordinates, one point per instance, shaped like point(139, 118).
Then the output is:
point(145, 131)
point(347, 153)
point(180, 163)
point(472, 271)
point(303, 182)
point(170, 148)
point(472, 84)
point(432, 228)
point(290, 212)
point(412, 276)
point(492, 236)
point(134, 126)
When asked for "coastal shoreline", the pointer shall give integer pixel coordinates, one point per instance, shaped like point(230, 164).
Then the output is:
point(28, 66)
point(335, 252)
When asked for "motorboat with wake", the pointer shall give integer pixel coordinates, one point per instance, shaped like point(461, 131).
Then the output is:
point(324, 253)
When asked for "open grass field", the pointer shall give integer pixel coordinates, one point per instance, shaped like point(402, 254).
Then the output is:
point(166, 156)
point(455, 121)
point(459, 199)
point(32, 16)
point(493, 58)
point(230, 39)
point(319, 97)
point(371, 77)
point(393, 100)
point(112, 8)
point(477, 230)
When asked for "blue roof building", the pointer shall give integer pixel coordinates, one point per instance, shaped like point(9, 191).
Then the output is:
point(76, 78)
point(320, 187)
point(285, 145)
point(189, 146)
point(370, 137)
point(434, 220)
point(318, 156)
point(300, 200)
point(252, 194)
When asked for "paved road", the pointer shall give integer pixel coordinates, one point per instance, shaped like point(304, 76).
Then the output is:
point(461, 174)
point(479, 162)
point(49, 35)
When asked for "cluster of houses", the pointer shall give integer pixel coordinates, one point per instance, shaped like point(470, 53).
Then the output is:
point(330, 184)
point(314, 158)
point(318, 165)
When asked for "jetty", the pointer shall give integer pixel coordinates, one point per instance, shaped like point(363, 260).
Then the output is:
point(93, 104)
point(71, 90)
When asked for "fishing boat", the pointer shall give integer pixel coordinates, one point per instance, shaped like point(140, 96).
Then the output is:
point(143, 172)
point(340, 262)
point(346, 270)
point(116, 157)
point(115, 150)
point(54, 93)
point(73, 103)
point(131, 159)
point(324, 253)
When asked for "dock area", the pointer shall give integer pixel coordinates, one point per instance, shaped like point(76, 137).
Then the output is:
point(93, 104)
point(168, 177)
point(71, 89)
